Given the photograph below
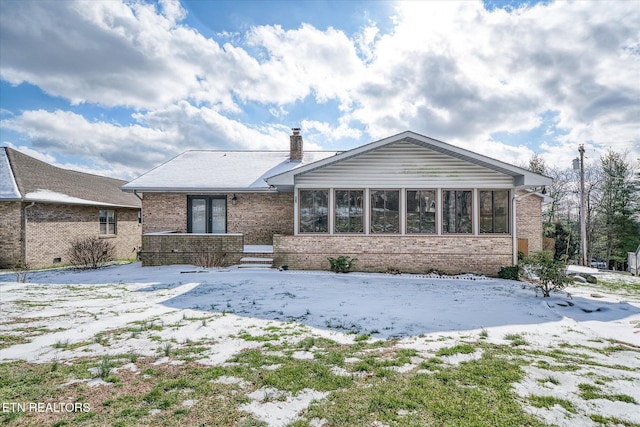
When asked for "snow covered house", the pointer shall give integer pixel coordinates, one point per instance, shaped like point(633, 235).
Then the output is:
point(407, 202)
point(44, 208)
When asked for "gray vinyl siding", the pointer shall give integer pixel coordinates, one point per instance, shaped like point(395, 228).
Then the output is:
point(404, 165)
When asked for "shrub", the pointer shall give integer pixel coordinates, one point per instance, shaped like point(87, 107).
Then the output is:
point(210, 259)
point(511, 272)
point(91, 252)
point(545, 272)
point(342, 264)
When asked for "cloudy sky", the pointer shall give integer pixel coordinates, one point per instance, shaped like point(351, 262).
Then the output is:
point(116, 88)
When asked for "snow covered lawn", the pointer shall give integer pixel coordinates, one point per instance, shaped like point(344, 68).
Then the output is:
point(177, 345)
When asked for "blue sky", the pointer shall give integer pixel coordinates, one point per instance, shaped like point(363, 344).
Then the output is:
point(116, 88)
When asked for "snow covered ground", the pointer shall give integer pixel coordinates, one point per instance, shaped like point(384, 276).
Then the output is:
point(59, 314)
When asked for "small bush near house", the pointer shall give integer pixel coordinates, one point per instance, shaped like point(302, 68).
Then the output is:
point(21, 270)
point(210, 259)
point(91, 252)
point(511, 272)
point(342, 264)
point(545, 272)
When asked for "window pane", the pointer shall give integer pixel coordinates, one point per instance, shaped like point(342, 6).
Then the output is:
point(198, 215)
point(385, 211)
point(218, 216)
point(494, 211)
point(421, 211)
point(456, 211)
point(314, 209)
point(107, 222)
point(348, 213)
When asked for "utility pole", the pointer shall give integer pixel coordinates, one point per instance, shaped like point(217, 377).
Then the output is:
point(583, 212)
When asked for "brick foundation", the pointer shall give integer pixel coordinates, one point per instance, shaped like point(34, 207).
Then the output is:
point(192, 249)
point(410, 254)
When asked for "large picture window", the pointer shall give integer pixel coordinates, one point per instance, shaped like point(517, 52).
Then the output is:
point(348, 212)
point(421, 211)
point(385, 211)
point(207, 214)
point(494, 211)
point(457, 208)
point(107, 221)
point(314, 210)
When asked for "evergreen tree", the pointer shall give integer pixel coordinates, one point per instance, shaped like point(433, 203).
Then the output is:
point(618, 209)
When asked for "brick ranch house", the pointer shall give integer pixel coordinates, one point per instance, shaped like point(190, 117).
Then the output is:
point(407, 202)
point(43, 209)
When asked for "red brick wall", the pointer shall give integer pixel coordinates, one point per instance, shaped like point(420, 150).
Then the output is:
point(52, 228)
point(257, 216)
point(10, 234)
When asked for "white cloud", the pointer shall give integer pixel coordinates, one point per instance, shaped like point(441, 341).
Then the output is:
point(450, 70)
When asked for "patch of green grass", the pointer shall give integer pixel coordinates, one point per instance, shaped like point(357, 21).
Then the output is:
point(516, 340)
point(9, 340)
point(549, 401)
point(549, 379)
point(590, 391)
point(608, 421)
point(457, 349)
point(471, 393)
point(300, 374)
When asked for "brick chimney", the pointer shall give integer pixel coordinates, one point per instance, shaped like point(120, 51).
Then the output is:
point(295, 147)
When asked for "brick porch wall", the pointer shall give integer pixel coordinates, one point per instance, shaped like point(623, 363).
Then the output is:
point(10, 234)
point(257, 216)
point(192, 249)
point(410, 254)
point(529, 221)
point(52, 228)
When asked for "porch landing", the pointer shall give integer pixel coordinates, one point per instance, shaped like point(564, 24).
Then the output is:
point(257, 256)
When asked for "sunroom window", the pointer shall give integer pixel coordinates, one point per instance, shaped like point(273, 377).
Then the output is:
point(348, 211)
point(494, 211)
point(385, 211)
point(421, 211)
point(457, 208)
point(314, 210)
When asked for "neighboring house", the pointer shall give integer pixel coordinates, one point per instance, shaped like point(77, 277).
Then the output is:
point(407, 202)
point(44, 208)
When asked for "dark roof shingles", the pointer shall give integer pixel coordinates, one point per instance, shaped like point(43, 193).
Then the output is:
point(32, 175)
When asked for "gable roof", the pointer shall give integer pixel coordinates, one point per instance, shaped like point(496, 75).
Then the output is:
point(213, 170)
point(522, 178)
point(27, 179)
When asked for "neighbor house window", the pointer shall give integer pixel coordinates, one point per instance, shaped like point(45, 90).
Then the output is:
point(421, 211)
point(494, 211)
point(348, 211)
point(385, 211)
point(456, 211)
point(207, 214)
point(107, 221)
point(314, 211)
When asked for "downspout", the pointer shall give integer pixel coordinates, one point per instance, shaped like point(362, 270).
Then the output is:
point(514, 237)
point(24, 235)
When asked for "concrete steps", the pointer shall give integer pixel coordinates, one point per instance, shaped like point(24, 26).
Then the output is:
point(257, 257)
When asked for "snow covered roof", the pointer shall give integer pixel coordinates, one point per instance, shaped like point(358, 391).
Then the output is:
point(8, 187)
point(24, 178)
point(213, 170)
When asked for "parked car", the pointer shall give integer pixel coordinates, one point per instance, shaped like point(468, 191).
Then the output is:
point(600, 265)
